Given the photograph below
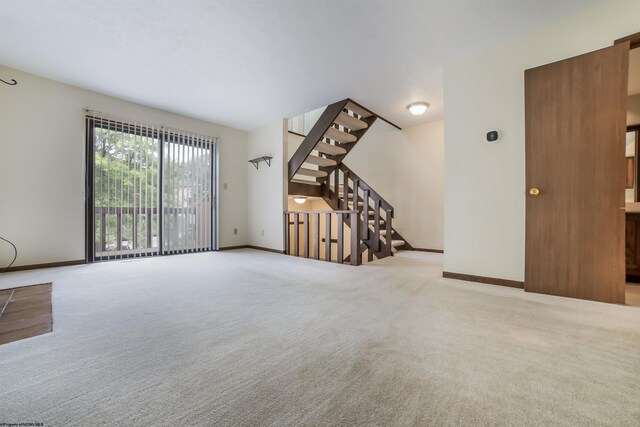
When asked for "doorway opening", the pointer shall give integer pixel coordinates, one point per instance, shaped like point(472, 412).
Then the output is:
point(632, 192)
point(151, 190)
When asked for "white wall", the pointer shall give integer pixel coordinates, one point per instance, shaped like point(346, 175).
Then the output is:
point(42, 156)
point(293, 143)
point(267, 191)
point(633, 110)
point(484, 185)
point(407, 169)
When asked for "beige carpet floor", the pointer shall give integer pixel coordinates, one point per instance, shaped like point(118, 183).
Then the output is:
point(253, 338)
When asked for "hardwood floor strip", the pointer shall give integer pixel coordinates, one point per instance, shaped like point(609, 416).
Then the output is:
point(25, 333)
point(28, 312)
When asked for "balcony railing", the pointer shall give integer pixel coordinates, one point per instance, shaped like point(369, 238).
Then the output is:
point(123, 232)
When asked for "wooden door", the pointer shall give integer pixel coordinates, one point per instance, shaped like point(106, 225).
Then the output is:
point(575, 118)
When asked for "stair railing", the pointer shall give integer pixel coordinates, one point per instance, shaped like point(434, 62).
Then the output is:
point(341, 188)
point(307, 242)
point(370, 205)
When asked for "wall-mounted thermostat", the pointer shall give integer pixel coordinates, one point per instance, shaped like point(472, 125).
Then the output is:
point(492, 136)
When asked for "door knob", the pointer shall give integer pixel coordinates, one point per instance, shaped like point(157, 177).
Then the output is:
point(533, 191)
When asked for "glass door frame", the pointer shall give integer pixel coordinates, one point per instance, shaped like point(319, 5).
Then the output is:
point(161, 134)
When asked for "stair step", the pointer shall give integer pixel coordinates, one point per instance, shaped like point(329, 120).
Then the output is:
point(338, 135)
point(396, 243)
point(358, 110)
point(305, 181)
point(350, 122)
point(329, 149)
point(320, 161)
point(311, 172)
point(373, 221)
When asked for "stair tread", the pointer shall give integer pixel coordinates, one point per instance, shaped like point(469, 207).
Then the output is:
point(358, 110)
point(396, 243)
point(320, 161)
point(373, 221)
point(305, 181)
point(350, 122)
point(311, 172)
point(332, 150)
point(340, 189)
point(338, 135)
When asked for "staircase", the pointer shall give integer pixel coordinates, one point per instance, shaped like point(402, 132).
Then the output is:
point(317, 170)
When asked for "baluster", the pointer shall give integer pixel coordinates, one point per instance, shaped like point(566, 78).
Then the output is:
point(306, 235)
point(316, 235)
point(340, 225)
point(296, 234)
point(389, 236)
point(175, 245)
point(103, 230)
point(134, 231)
point(365, 215)
point(119, 230)
point(345, 191)
point(287, 226)
point(376, 223)
point(149, 230)
point(327, 236)
point(356, 256)
point(336, 187)
point(355, 195)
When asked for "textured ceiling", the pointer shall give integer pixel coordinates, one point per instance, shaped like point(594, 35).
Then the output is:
point(247, 63)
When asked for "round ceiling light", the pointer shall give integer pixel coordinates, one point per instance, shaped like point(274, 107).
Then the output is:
point(299, 200)
point(418, 108)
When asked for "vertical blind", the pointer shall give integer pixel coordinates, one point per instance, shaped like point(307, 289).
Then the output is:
point(187, 196)
point(153, 189)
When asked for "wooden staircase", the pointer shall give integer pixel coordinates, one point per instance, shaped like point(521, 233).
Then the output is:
point(317, 170)
point(334, 135)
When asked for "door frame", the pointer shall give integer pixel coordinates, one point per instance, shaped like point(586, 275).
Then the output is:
point(633, 39)
point(158, 132)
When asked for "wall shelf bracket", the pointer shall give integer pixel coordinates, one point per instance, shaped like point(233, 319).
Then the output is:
point(257, 160)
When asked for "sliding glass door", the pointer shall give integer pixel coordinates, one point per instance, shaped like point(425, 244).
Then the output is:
point(150, 190)
point(187, 194)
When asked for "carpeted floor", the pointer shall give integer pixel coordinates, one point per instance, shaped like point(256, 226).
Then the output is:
point(253, 338)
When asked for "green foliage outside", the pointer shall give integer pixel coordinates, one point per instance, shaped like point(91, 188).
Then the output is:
point(126, 174)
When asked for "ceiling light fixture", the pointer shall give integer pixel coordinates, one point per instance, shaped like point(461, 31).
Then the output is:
point(299, 200)
point(418, 108)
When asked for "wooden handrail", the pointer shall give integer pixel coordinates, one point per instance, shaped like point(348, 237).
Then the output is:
point(320, 212)
point(370, 205)
point(364, 186)
point(375, 114)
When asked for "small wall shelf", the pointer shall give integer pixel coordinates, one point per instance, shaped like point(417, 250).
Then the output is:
point(257, 160)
